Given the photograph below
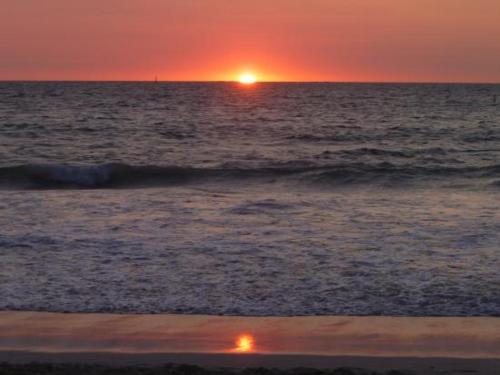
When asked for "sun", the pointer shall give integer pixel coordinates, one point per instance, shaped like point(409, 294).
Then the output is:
point(247, 79)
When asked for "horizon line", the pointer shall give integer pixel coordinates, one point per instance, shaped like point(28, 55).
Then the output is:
point(257, 82)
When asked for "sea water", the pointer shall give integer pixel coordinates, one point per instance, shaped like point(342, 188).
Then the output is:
point(270, 199)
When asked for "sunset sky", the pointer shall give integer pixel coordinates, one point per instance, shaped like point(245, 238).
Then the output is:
point(284, 40)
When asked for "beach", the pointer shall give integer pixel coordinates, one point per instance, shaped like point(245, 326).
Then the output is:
point(319, 225)
point(422, 345)
point(250, 187)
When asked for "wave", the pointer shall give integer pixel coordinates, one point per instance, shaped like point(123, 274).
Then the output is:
point(129, 176)
point(120, 175)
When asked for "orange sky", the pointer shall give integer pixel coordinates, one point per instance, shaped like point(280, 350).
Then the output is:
point(296, 40)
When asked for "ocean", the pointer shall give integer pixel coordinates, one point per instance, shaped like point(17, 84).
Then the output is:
point(275, 199)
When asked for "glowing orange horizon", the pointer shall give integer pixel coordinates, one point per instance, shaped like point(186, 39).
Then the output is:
point(244, 344)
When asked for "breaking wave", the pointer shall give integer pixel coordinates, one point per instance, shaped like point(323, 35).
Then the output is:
point(129, 176)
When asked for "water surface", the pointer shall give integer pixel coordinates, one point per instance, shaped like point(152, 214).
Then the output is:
point(275, 199)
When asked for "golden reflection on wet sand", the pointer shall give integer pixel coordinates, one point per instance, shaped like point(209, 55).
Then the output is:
point(332, 336)
point(244, 344)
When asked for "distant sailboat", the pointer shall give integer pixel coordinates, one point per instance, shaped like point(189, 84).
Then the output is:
point(156, 79)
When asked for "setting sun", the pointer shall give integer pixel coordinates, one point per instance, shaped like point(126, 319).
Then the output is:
point(244, 344)
point(247, 79)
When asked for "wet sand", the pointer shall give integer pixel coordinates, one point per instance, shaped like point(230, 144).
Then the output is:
point(425, 345)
